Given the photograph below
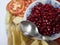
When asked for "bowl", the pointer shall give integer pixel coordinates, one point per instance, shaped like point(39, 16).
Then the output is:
point(54, 3)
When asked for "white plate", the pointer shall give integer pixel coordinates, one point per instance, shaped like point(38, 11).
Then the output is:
point(3, 32)
point(52, 2)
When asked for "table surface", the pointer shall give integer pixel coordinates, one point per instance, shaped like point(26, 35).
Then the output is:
point(3, 34)
point(58, 41)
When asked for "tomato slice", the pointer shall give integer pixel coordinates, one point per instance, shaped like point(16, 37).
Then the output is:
point(15, 7)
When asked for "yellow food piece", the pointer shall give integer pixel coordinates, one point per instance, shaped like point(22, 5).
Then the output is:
point(8, 16)
point(35, 43)
point(16, 38)
point(17, 20)
point(44, 42)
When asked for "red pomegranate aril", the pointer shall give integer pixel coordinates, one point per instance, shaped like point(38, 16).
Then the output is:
point(46, 18)
point(44, 24)
point(39, 8)
point(57, 30)
point(54, 32)
point(58, 17)
point(40, 5)
point(47, 7)
point(36, 19)
point(33, 9)
point(58, 11)
point(37, 11)
point(37, 24)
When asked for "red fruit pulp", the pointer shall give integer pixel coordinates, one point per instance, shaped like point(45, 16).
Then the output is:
point(46, 18)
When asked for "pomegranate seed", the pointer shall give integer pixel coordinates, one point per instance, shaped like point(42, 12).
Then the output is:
point(46, 18)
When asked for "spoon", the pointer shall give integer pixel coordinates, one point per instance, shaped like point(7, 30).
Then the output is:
point(30, 30)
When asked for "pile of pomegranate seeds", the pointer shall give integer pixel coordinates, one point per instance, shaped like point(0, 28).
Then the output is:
point(46, 18)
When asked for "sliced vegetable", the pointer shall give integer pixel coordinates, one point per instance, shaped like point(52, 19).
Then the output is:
point(15, 7)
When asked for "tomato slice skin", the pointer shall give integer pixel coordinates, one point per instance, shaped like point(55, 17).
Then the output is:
point(13, 7)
